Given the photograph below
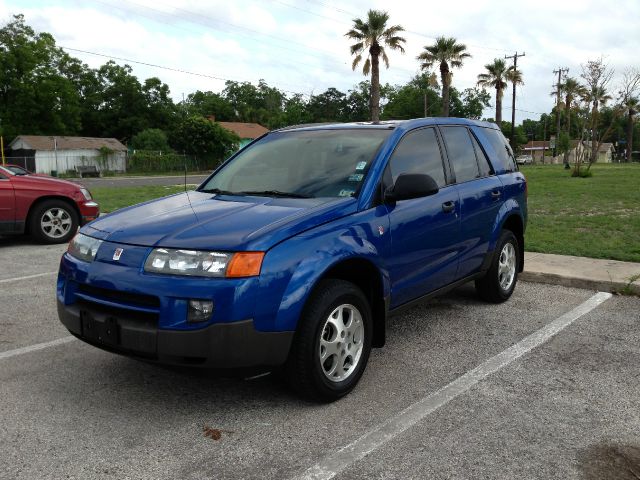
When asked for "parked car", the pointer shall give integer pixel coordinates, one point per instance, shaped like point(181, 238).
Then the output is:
point(293, 253)
point(524, 159)
point(48, 208)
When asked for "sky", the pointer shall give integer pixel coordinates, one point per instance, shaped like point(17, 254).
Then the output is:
point(299, 46)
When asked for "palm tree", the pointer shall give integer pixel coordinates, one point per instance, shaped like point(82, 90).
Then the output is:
point(373, 36)
point(497, 76)
point(595, 96)
point(447, 53)
point(571, 89)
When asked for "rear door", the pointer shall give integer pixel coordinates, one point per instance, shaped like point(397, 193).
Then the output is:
point(481, 195)
point(424, 231)
point(7, 204)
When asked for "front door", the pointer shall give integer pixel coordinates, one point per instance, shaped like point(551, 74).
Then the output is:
point(424, 231)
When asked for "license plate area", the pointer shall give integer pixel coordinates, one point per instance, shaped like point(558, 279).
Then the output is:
point(103, 329)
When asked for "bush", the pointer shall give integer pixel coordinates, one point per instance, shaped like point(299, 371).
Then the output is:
point(151, 139)
point(582, 173)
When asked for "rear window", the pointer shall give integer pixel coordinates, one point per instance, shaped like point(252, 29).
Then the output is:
point(503, 150)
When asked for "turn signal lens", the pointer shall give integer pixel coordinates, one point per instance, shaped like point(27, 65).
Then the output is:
point(245, 264)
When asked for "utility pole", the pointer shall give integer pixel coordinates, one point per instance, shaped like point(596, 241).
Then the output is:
point(560, 72)
point(513, 100)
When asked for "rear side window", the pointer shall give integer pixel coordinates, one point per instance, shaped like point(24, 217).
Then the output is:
point(483, 162)
point(461, 153)
point(503, 150)
point(418, 152)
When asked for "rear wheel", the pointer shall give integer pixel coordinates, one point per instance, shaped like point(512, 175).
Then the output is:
point(499, 282)
point(332, 343)
point(53, 221)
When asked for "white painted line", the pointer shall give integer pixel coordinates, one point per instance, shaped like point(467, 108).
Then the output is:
point(333, 464)
point(36, 347)
point(27, 277)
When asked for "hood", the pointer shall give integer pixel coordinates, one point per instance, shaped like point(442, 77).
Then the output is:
point(197, 220)
point(43, 182)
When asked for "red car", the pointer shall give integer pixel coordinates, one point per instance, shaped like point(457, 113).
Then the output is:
point(48, 208)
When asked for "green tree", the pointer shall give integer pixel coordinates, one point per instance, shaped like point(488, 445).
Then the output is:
point(447, 53)
point(35, 95)
point(408, 101)
point(468, 104)
point(209, 103)
point(151, 139)
point(630, 103)
point(198, 136)
point(329, 106)
point(296, 111)
point(372, 36)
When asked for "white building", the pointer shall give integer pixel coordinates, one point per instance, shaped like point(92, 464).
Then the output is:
point(44, 154)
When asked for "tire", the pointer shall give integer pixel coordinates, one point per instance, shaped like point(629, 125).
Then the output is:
point(501, 278)
point(332, 342)
point(53, 221)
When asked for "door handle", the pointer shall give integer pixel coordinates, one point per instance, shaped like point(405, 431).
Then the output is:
point(496, 194)
point(448, 207)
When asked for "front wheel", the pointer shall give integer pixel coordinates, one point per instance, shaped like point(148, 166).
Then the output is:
point(332, 343)
point(499, 282)
point(53, 221)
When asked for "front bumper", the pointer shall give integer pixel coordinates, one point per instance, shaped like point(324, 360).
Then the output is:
point(226, 345)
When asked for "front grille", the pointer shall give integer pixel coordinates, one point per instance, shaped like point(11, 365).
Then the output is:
point(147, 318)
point(123, 298)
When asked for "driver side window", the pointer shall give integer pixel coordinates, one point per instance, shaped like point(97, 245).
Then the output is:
point(418, 152)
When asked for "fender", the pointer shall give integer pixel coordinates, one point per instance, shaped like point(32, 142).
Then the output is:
point(291, 270)
point(509, 207)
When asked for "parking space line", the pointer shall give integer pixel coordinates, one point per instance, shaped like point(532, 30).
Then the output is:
point(37, 346)
point(334, 463)
point(27, 277)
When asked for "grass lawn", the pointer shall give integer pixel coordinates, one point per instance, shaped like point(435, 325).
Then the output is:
point(597, 217)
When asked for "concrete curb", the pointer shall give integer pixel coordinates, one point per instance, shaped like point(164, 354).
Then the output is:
point(580, 282)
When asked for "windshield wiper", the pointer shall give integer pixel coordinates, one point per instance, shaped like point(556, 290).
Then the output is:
point(278, 193)
point(221, 192)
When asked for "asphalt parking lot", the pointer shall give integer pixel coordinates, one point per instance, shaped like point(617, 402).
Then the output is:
point(565, 407)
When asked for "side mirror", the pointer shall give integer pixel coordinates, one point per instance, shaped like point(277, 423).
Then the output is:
point(411, 185)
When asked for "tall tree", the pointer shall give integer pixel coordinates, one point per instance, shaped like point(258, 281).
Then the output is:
point(447, 53)
point(495, 77)
point(631, 104)
point(372, 36)
point(571, 89)
point(597, 76)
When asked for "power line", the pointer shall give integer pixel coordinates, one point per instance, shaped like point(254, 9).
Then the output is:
point(163, 67)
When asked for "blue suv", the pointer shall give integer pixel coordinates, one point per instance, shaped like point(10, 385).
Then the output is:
point(294, 252)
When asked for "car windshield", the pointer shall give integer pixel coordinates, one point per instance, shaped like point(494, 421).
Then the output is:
point(309, 163)
point(16, 170)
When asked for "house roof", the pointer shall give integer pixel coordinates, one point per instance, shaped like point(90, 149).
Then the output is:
point(43, 142)
point(245, 130)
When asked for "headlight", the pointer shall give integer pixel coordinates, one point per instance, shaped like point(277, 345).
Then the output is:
point(86, 193)
point(84, 247)
point(204, 264)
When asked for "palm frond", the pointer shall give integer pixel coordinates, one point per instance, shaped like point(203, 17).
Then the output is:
point(356, 61)
point(385, 59)
point(366, 68)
